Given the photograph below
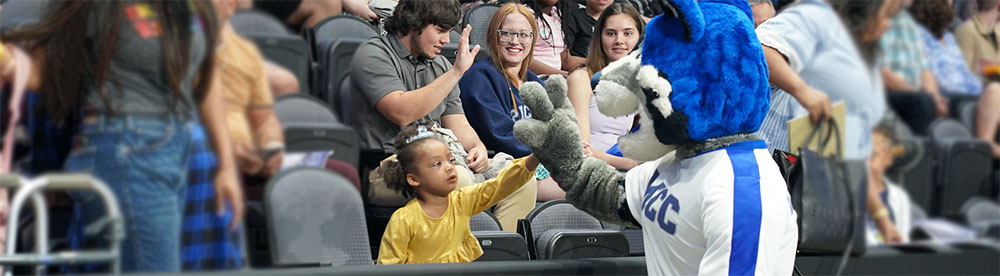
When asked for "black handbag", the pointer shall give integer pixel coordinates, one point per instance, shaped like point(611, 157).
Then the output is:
point(828, 194)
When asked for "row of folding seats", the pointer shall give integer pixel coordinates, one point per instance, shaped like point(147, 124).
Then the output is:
point(314, 217)
point(949, 171)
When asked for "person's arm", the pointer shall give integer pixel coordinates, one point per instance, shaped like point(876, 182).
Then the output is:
point(615, 161)
point(227, 188)
point(929, 83)
point(894, 82)
point(457, 123)
point(10, 65)
point(579, 94)
point(879, 212)
point(403, 108)
point(571, 62)
point(395, 241)
point(542, 69)
point(264, 123)
point(782, 76)
point(484, 195)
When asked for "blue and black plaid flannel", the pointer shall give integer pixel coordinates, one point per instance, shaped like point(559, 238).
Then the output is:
point(206, 242)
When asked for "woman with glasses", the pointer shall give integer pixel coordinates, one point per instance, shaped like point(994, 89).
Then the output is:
point(619, 31)
point(491, 96)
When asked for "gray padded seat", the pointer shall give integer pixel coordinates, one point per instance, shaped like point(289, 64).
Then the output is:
point(479, 17)
point(560, 230)
point(484, 221)
point(581, 243)
point(343, 26)
point(18, 13)
point(302, 109)
point(315, 217)
point(257, 22)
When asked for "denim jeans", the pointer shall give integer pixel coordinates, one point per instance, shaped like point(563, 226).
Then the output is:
point(144, 161)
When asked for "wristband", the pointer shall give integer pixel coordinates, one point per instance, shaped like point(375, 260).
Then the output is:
point(881, 213)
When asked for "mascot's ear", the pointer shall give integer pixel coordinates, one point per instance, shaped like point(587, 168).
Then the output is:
point(689, 14)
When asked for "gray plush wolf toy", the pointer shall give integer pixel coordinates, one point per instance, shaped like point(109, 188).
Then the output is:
point(710, 200)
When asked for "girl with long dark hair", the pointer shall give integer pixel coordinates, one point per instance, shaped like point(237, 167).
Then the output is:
point(135, 74)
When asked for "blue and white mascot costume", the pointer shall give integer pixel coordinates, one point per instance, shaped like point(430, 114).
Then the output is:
point(709, 198)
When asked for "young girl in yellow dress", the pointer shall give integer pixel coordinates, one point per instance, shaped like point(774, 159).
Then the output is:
point(434, 226)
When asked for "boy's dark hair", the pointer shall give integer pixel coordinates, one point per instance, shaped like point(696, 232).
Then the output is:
point(407, 141)
point(412, 15)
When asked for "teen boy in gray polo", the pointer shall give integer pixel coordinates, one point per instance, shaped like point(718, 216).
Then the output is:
point(401, 77)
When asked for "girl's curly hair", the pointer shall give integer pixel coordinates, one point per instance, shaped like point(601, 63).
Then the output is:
point(407, 141)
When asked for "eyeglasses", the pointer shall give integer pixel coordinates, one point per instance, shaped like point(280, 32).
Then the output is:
point(508, 36)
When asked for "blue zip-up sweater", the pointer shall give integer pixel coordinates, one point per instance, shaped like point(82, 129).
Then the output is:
point(491, 112)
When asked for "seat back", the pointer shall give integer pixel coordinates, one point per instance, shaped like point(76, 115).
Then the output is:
point(962, 169)
point(634, 237)
point(559, 214)
point(479, 17)
point(288, 51)
point(342, 140)
point(315, 217)
point(17, 13)
point(501, 246)
point(946, 128)
point(257, 22)
point(344, 99)
point(559, 230)
point(967, 113)
point(335, 64)
point(343, 26)
point(484, 221)
point(581, 243)
point(300, 108)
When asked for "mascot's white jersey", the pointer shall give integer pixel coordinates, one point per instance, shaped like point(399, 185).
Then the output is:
point(723, 212)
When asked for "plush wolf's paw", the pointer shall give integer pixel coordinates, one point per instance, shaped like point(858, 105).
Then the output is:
point(551, 132)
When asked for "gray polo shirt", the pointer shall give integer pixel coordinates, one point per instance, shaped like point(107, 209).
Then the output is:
point(383, 65)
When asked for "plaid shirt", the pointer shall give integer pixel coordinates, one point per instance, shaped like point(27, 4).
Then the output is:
point(903, 49)
point(206, 242)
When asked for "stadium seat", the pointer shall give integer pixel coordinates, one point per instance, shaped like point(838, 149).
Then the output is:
point(967, 113)
point(302, 109)
point(335, 57)
point(18, 13)
point(257, 22)
point(558, 230)
point(310, 126)
point(343, 97)
point(633, 235)
point(484, 221)
point(315, 217)
point(479, 17)
point(576, 243)
point(962, 166)
point(343, 26)
point(497, 245)
point(288, 51)
point(501, 246)
point(983, 215)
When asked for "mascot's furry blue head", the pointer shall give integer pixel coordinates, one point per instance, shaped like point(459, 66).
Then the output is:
point(701, 76)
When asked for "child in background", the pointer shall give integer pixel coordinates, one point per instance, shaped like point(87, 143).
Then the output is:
point(424, 230)
point(896, 213)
